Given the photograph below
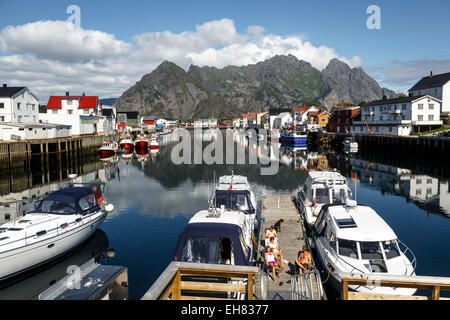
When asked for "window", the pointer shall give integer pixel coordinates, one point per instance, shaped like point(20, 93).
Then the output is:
point(429, 181)
point(370, 250)
point(18, 105)
point(348, 248)
point(391, 249)
point(54, 111)
point(403, 106)
point(420, 118)
point(2, 118)
point(69, 102)
point(69, 111)
point(331, 238)
point(19, 119)
point(431, 106)
point(2, 105)
point(431, 118)
point(420, 106)
point(87, 202)
point(322, 196)
point(418, 181)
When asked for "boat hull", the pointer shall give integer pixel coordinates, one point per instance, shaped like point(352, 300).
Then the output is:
point(126, 146)
point(106, 153)
point(141, 145)
point(20, 260)
point(294, 140)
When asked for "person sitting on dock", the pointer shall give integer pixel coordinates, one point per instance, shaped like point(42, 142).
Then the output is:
point(304, 260)
point(272, 261)
point(276, 249)
point(269, 234)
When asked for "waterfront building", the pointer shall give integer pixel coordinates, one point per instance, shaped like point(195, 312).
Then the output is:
point(32, 131)
point(167, 123)
point(79, 112)
point(18, 105)
point(302, 114)
point(148, 122)
point(341, 119)
point(399, 116)
point(108, 120)
point(437, 86)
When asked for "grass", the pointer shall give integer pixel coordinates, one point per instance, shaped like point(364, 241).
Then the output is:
point(443, 128)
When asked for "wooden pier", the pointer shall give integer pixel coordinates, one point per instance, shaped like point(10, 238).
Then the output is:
point(18, 154)
point(291, 240)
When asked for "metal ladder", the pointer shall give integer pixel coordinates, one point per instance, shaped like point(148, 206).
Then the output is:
point(302, 286)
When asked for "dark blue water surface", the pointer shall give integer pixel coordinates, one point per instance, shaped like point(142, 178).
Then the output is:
point(154, 200)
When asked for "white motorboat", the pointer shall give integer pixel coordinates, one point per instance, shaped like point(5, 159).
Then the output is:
point(320, 188)
point(235, 193)
point(350, 143)
point(154, 145)
point(141, 142)
point(354, 239)
point(57, 224)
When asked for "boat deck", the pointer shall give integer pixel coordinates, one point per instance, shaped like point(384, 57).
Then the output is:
point(291, 240)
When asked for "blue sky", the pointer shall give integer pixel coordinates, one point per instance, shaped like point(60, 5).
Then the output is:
point(413, 39)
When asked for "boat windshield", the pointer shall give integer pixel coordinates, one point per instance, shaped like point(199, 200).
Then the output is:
point(391, 249)
point(348, 248)
point(53, 207)
point(213, 250)
point(322, 196)
point(371, 251)
point(340, 195)
point(234, 200)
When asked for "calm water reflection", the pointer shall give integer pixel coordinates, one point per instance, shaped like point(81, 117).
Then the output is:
point(154, 199)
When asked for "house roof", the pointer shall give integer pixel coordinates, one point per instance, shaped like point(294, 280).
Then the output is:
point(397, 100)
point(10, 91)
point(434, 81)
point(86, 102)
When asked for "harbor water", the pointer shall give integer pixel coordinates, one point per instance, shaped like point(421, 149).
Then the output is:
point(154, 200)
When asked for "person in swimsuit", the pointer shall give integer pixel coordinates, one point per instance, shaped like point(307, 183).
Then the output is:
point(304, 260)
point(272, 261)
point(271, 233)
point(276, 249)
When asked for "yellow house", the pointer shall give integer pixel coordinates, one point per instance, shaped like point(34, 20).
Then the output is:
point(322, 118)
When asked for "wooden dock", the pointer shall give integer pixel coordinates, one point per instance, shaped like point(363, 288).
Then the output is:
point(291, 240)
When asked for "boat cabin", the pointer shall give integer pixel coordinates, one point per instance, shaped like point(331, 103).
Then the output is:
point(215, 238)
point(360, 239)
point(73, 200)
point(324, 187)
point(234, 192)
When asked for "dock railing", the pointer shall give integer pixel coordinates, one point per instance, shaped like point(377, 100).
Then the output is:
point(170, 285)
point(302, 286)
point(435, 284)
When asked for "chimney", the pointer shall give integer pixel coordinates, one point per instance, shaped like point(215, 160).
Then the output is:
point(67, 94)
point(431, 73)
point(5, 85)
point(84, 94)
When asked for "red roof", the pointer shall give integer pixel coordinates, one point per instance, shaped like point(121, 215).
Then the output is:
point(54, 103)
point(87, 102)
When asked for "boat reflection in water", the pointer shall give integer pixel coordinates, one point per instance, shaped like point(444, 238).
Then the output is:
point(30, 285)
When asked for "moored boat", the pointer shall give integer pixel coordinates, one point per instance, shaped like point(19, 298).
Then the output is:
point(294, 138)
point(108, 149)
point(350, 143)
point(141, 142)
point(321, 188)
point(354, 239)
point(126, 142)
point(56, 224)
point(154, 145)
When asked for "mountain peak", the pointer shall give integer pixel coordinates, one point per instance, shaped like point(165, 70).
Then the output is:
point(281, 81)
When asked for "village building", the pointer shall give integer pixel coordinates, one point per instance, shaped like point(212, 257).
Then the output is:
point(399, 116)
point(79, 112)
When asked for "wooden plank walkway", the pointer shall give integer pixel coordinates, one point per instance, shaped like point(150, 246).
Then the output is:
point(291, 240)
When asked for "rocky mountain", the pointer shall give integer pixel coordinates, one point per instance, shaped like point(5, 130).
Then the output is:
point(282, 81)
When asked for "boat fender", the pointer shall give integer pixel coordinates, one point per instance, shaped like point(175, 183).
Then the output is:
point(102, 201)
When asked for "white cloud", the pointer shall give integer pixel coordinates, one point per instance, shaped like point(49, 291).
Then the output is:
point(60, 41)
point(51, 57)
